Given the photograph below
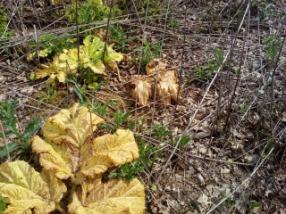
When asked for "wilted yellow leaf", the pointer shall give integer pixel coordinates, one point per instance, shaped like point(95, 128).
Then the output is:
point(56, 186)
point(52, 73)
point(167, 87)
point(73, 125)
point(113, 197)
point(165, 81)
point(68, 150)
point(26, 190)
point(159, 78)
point(108, 151)
point(141, 89)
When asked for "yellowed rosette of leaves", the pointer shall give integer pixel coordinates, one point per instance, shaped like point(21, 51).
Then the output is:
point(27, 191)
point(63, 65)
point(68, 150)
point(91, 56)
point(141, 89)
point(112, 197)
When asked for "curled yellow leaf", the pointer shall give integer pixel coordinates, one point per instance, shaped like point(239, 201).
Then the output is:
point(113, 197)
point(141, 89)
point(107, 151)
point(26, 190)
point(167, 87)
point(164, 81)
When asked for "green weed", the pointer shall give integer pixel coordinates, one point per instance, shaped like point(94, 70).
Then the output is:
point(99, 108)
point(183, 141)
point(88, 11)
point(20, 138)
point(205, 72)
point(149, 51)
point(243, 108)
point(3, 204)
point(49, 95)
point(160, 132)
point(267, 9)
point(118, 35)
point(271, 47)
point(173, 23)
point(79, 90)
point(255, 204)
point(92, 80)
point(120, 118)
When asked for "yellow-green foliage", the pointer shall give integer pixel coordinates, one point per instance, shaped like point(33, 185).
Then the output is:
point(48, 45)
point(92, 56)
point(88, 11)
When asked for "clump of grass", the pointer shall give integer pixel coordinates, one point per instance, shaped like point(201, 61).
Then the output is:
point(99, 108)
point(181, 141)
point(206, 71)
point(271, 47)
point(119, 36)
point(161, 132)
point(147, 52)
point(267, 9)
point(120, 118)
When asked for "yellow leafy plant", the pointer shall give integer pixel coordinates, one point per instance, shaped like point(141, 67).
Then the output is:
point(69, 155)
point(158, 77)
point(93, 55)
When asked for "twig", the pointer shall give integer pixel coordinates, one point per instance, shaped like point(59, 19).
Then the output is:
point(181, 71)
